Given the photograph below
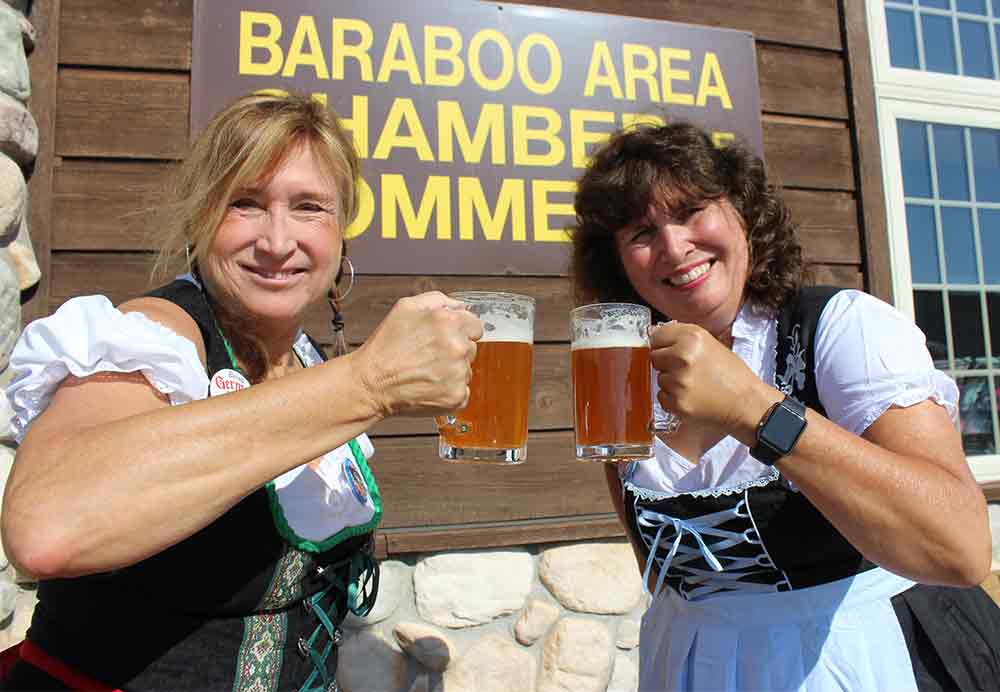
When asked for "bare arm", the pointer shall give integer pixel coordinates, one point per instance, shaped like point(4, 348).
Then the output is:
point(902, 494)
point(110, 474)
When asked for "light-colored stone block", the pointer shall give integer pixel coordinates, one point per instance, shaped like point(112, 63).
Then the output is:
point(18, 131)
point(19, 5)
point(13, 200)
point(992, 587)
point(370, 663)
point(14, 78)
point(576, 657)
point(10, 310)
point(535, 620)
point(628, 634)
point(625, 677)
point(994, 515)
point(28, 34)
point(599, 578)
point(492, 664)
point(21, 255)
point(465, 589)
point(24, 608)
point(393, 586)
point(428, 645)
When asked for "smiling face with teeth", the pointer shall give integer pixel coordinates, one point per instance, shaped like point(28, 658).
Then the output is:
point(278, 246)
point(691, 264)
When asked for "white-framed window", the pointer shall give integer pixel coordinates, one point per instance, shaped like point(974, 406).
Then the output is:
point(937, 86)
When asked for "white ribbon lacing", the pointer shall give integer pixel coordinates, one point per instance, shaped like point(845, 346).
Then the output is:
point(702, 582)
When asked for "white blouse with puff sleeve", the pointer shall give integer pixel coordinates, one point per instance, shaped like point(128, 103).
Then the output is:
point(316, 504)
point(89, 335)
point(869, 357)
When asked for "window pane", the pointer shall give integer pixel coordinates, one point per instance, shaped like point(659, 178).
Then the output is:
point(928, 309)
point(915, 160)
point(902, 39)
point(939, 4)
point(989, 242)
point(939, 44)
point(977, 60)
point(996, 8)
point(971, 6)
point(993, 313)
point(967, 330)
point(959, 246)
point(949, 152)
point(975, 413)
point(924, 268)
point(986, 161)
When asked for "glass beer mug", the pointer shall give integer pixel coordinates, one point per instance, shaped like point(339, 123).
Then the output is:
point(493, 426)
point(612, 383)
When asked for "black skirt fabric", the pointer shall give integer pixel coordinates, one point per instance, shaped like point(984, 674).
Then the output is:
point(953, 636)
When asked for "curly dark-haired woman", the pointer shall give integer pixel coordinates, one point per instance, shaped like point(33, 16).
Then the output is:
point(806, 526)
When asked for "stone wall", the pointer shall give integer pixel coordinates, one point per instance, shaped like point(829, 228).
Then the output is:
point(18, 268)
point(543, 619)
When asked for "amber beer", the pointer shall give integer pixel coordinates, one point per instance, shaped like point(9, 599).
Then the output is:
point(612, 382)
point(493, 426)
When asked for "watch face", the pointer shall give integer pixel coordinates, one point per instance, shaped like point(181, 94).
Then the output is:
point(782, 429)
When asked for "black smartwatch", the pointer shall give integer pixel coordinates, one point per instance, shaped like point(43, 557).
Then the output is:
point(779, 430)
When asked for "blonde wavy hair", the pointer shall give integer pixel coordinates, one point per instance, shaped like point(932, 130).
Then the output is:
point(241, 145)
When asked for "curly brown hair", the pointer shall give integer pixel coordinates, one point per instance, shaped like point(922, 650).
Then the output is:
point(677, 165)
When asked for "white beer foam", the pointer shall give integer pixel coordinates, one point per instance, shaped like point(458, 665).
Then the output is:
point(613, 340)
point(500, 328)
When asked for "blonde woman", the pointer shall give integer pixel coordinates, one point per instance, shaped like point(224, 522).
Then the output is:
point(194, 488)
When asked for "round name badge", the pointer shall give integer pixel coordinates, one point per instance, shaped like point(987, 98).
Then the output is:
point(352, 474)
point(226, 381)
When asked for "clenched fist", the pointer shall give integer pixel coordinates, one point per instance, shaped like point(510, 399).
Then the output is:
point(705, 383)
point(418, 361)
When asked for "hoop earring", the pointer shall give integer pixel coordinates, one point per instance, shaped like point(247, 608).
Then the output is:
point(336, 324)
point(350, 285)
point(187, 255)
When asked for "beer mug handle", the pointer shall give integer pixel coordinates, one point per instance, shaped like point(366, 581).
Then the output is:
point(666, 426)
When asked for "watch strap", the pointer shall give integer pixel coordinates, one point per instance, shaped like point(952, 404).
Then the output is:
point(767, 453)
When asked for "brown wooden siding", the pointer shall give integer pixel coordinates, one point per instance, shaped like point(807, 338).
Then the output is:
point(119, 117)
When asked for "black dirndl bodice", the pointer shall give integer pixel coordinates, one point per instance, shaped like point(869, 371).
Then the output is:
point(233, 607)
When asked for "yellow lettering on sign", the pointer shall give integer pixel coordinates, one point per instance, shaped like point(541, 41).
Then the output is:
point(435, 200)
point(669, 74)
point(506, 60)
point(543, 208)
point(399, 41)
point(631, 53)
point(721, 139)
point(452, 126)
point(601, 72)
point(268, 42)
point(434, 55)
point(365, 211)
point(340, 49)
point(580, 137)
point(633, 119)
point(523, 134)
point(524, 67)
point(712, 83)
point(510, 202)
point(305, 50)
point(357, 124)
point(400, 111)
